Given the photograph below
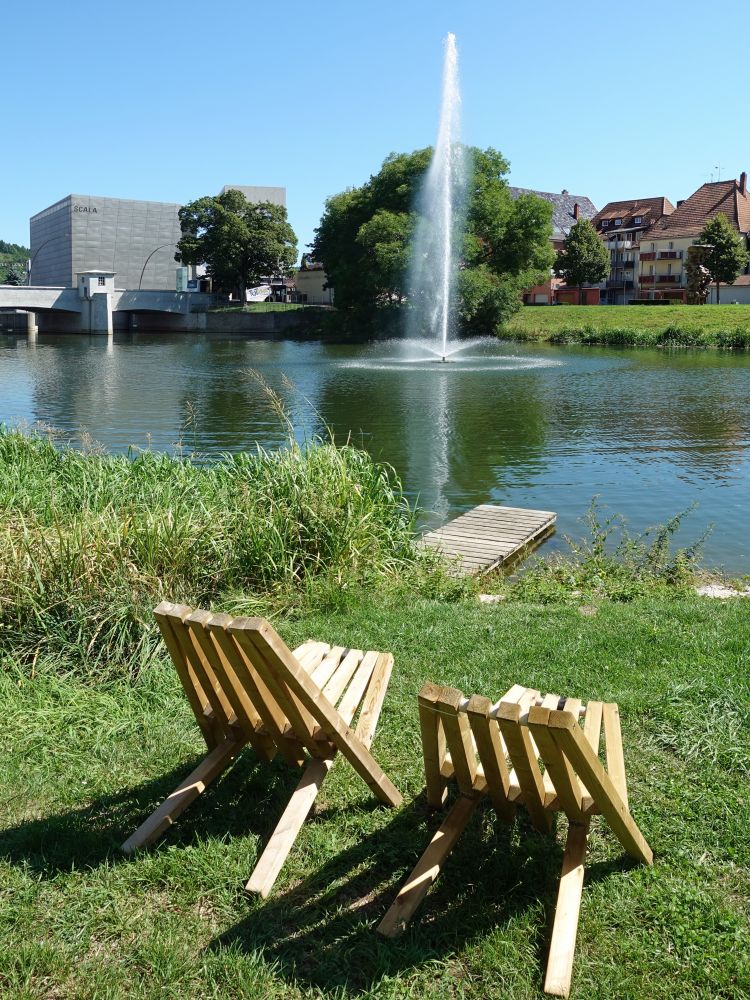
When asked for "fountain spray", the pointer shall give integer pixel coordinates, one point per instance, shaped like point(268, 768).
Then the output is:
point(441, 207)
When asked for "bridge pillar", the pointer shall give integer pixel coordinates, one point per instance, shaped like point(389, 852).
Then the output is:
point(96, 315)
point(31, 328)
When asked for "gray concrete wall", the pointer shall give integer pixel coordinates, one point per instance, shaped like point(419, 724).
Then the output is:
point(87, 233)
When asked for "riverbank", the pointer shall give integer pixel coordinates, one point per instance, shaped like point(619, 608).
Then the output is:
point(98, 731)
point(726, 326)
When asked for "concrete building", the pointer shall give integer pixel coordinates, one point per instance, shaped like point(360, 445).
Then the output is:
point(621, 224)
point(664, 247)
point(136, 240)
point(567, 209)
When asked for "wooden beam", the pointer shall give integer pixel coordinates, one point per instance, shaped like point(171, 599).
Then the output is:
point(428, 867)
point(186, 792)
point(565, 928)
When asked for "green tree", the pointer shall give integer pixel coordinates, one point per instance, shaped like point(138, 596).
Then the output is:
point(364, 241)
point(240, 243)
point(726, 256)
point(584, 259)
point(15, 274)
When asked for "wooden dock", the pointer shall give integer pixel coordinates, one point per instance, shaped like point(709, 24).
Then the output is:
point(488, 536)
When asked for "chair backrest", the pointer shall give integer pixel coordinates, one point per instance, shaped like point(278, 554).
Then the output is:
point(497, 748)
point(243, 681)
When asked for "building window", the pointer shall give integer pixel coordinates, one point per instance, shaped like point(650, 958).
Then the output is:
point(653, 246)
point(605, 223)
point(671, 245)
point(669, 268)
point(638, 220)
point(101, 281)
point(618, 222)
point(651, 269)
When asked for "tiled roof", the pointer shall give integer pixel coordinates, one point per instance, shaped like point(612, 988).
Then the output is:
point(689, 218)
point(650, 209)
point(562, 215)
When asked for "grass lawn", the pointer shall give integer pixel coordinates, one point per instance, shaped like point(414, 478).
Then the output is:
point(83, 763)
point(692, 326)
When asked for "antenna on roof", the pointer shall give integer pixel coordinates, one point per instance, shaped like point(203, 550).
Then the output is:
point(717, 167)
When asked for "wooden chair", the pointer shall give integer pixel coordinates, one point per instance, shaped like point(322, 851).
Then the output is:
point(245, 686)
point(507, 738)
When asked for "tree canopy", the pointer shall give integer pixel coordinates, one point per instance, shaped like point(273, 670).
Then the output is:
point(241, 243)
point(584, 259)
point(365, 235)
point(13, 258)
point(725, 256)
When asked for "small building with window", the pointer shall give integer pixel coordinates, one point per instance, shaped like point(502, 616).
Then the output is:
point(664, 247)
point(621, 225)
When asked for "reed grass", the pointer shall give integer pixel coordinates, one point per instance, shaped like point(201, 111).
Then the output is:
point(89, 543)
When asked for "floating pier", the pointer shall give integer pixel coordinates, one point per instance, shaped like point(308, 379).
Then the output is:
point(488, 536)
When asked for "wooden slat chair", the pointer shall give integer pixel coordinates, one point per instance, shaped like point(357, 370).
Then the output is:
point(245, 686)
point(493, 750)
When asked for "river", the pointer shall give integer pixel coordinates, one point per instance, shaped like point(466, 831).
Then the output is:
point(649, 432)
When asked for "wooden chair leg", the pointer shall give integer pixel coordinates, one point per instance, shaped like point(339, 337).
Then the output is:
point(186, 792)
point(428, 867)
point(287, 829)
point(565, 927)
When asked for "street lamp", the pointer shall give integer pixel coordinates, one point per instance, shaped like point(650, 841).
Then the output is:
point(59, 236)
point(155, 250)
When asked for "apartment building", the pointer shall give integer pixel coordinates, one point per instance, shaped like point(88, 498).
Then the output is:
point(664, 247)
point(621, 224)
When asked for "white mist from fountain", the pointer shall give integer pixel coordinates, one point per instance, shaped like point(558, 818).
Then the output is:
point(441, 208)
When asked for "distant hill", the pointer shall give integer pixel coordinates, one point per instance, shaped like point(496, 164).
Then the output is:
point(12, 254)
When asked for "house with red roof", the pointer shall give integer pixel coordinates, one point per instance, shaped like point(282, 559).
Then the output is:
point(664, 247)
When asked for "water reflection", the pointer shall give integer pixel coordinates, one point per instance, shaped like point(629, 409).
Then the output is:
point(545, 427)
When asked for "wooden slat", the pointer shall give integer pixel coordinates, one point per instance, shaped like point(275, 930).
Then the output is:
point(300, 720)
point(563, 776)
point(320, 708)
point(550, 792)
point(428, 867)
point(458, 738)
point(311, 653)
point(222, 710)
point(372, 704)
point(613, 747)
point(194, 693)
point(565, 928)
point(592, 726)
point(327, 666)
point(249, 720)
point(573, 744)
point(491, 752)
point(433, 744)
point(357, 686)
point(523, 757)
point(338, 682)
point(186, 792)
point(274, 720)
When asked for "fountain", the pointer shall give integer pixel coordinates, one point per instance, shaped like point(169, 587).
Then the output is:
point(441, 213)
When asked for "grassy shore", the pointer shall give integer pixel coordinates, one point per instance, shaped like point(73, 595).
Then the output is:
point(724, 326)
point(96, 733)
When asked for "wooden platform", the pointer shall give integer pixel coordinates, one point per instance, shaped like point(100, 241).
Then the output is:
point(487, 536)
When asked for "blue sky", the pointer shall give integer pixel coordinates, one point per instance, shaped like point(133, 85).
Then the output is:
point(170, 101)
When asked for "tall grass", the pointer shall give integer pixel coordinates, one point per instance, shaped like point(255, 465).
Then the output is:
point(89, 543)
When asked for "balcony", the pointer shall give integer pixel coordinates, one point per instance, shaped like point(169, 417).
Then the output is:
point(668, 279)
point(651, 255)
point(619, 283)
point(647, 279)
point(619, 244)
point(669, 254)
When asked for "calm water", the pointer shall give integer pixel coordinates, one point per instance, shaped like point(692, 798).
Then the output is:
point(650, 432)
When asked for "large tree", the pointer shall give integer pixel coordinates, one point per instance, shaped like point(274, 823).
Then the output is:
point(725, 256)
point(241, 243)
point(13, 260)
point(584, 259)
point(364, 241)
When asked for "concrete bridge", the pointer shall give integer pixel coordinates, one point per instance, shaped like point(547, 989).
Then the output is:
point(64, 309)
